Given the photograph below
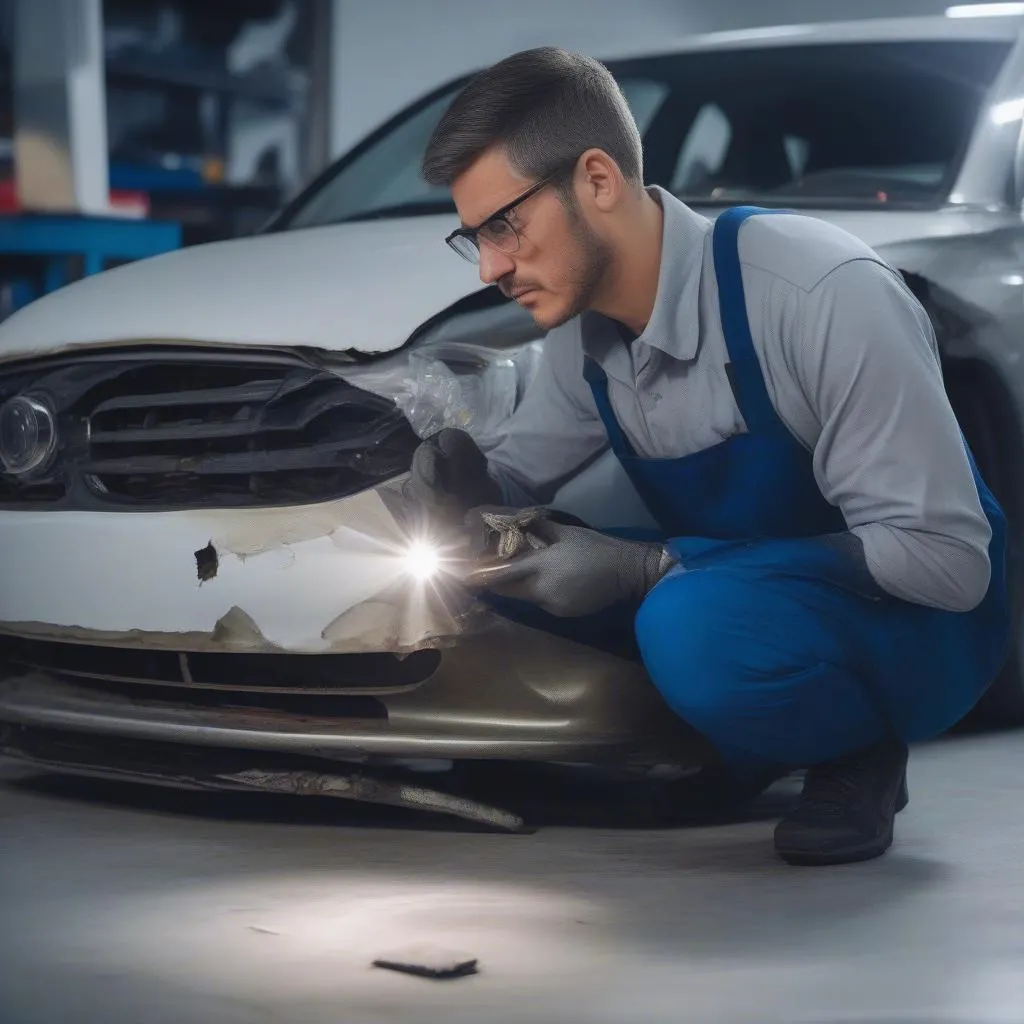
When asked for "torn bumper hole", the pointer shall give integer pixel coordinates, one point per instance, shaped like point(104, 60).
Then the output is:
point(207, 563)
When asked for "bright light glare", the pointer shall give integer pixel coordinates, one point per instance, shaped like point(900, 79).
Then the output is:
point(422, 560)
point(985, 10)
point(1008, 112)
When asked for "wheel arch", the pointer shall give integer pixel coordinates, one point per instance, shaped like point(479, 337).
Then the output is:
point(992, 421)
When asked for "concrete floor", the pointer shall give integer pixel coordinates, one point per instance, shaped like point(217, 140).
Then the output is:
point(140, 906)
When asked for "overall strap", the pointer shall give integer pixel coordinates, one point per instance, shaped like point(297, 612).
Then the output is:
point(598, 381)
point(744, 370)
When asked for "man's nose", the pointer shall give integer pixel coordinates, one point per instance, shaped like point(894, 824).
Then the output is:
point(494, 264)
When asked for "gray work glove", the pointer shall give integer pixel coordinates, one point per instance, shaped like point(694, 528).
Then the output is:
point(449, 476)
point(571, 571)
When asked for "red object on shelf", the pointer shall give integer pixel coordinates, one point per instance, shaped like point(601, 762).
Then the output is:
point(127, 204)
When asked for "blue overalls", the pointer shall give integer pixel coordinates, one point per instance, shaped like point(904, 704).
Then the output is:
point(767, 638)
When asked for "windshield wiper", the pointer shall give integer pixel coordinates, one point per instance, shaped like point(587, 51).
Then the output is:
point(422, 208)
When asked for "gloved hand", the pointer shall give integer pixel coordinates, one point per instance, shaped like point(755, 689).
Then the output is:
point(577, 571)
point(503, 533)
point(449, 476)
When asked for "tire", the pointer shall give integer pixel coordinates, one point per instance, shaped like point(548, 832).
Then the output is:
point(993, 431)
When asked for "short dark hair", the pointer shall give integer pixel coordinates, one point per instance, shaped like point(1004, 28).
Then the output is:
point(545, 107)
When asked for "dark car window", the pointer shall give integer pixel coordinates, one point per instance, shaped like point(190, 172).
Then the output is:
point(884, 122)
point(384, 179)
point(848, 123)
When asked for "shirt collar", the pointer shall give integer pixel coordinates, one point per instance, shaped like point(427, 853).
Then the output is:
point(674, 327)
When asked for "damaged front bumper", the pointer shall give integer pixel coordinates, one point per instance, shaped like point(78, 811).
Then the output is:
point(320, 578)
point(297, 631)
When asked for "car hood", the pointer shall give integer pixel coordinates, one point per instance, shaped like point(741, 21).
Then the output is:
point(364, 286)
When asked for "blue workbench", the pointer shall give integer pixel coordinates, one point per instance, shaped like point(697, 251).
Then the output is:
point(96, 241)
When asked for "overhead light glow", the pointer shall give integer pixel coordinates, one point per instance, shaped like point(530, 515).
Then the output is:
point(1004, 10)
point(1008, 112)
point(422, 560)
point(744, 35)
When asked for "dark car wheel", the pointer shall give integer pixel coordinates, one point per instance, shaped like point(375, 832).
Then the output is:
point(990, 424)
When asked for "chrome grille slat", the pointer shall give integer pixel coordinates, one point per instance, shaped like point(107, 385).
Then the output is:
point(324, 456)
point(259, 391)
point(177, 432)
point(272, 420)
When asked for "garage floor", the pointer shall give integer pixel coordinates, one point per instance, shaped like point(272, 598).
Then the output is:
point(126, 905)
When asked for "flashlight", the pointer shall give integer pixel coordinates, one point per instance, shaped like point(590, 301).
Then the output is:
point(422, 560)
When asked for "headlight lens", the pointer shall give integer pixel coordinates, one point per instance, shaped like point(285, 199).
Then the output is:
point(28, 434)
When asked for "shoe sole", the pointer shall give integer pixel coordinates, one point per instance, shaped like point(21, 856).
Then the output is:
point(851, 855)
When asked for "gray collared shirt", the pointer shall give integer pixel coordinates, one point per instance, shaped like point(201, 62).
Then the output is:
point(851, 365)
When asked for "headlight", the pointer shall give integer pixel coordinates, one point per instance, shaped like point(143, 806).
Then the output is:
point(454, 384)
point(28, 434)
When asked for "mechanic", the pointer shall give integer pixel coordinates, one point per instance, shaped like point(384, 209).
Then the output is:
point(827, 584)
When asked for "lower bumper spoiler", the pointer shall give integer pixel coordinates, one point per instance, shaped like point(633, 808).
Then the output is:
point(239, 772)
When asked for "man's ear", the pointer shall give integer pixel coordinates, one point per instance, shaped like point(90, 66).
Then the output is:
point(600, 180)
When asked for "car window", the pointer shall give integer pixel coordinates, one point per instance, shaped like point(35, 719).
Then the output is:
point(866, 123)
point(386, 175)
point(852, 122)
point(385, 179)
point(704, 148)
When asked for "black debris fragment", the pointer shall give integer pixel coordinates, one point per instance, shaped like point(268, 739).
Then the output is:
point(435, 965)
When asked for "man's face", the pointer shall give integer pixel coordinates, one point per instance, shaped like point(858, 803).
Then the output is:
point(560, 263)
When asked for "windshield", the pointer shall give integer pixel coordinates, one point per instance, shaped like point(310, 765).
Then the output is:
point(855, 123)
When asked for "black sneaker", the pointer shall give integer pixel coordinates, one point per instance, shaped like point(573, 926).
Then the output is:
point(846, 809)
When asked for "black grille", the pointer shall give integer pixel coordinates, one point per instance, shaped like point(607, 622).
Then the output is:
point(283, 674)
point(307, 705)
point(188, 428)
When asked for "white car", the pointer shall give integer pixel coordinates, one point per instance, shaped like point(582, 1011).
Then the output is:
point(209, 573)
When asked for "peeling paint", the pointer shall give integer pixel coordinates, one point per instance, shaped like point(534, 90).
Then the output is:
point(234, 631)
point(237, 631)
point(407, 616)
point(379, 625)
point(266, 529)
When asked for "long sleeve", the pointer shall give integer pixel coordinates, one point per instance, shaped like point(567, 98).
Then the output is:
point(555, 432)
point(890, 453)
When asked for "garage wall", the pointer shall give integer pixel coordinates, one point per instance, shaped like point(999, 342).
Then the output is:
point(387, 52)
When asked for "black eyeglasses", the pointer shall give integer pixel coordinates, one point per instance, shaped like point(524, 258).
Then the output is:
point(496, 230)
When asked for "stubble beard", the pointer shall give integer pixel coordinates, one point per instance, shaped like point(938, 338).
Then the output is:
point(589, 271)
